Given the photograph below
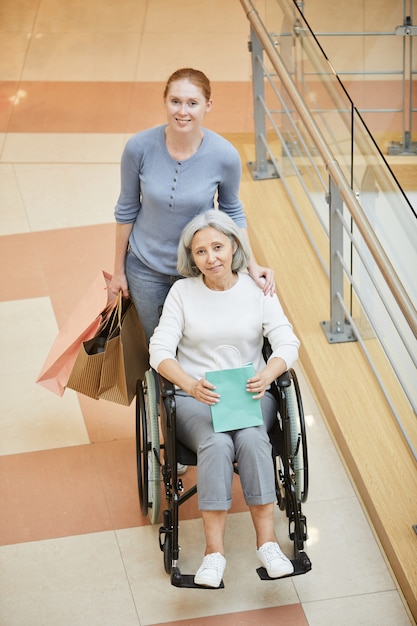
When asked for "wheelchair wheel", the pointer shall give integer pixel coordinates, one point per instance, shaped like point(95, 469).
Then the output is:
point(298, 438)
point(168, 554)
point(148, 448)
point(279, 485)
point(165, 540)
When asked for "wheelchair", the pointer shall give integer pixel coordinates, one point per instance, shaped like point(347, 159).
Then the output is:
point(157, 467)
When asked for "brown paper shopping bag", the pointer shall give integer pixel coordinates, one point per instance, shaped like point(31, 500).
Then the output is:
point(109, 365)
point(82, 324)
point(126, 359)
point(86, 372)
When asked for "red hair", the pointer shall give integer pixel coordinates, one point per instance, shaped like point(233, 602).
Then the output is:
point(195, 77)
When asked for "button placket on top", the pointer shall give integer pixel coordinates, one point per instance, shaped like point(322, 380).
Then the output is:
point(174, 185)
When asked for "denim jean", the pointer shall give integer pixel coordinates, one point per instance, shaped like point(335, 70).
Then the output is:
point(148, 290)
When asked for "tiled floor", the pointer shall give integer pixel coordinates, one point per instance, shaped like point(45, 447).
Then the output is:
point(76, 78)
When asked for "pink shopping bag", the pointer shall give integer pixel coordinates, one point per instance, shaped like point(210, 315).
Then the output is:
point(83, 323)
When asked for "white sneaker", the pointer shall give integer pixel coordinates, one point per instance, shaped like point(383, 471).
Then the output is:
point(210, 572)
point(274, 561)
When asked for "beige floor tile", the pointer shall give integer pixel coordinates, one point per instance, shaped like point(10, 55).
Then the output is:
point(374, 609)
point(82, 56)
point(31, 417)
point(13, 217)
point(63, 196)
point(62, 148)
point(150, 583)
point(309, 402)
point(345, 556)
point(71, 581)
point(327, 475)
point(92, 16)
point(36, 419)
point(198, 50)
point(165, 17)
point(13, 50)
point(18, 17)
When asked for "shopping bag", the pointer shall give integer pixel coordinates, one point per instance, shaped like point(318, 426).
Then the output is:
point(109, 365)
point(126, 359)
point(83, 323)
point(236, 407)
point(86, 372)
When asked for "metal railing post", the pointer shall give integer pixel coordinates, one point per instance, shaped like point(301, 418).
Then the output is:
point(338, 329)
point(261, 168)
point(407, 30)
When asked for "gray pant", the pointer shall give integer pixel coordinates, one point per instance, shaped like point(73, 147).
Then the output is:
point(216, 452)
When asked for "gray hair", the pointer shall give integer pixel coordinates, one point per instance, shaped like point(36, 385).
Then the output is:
point(224, 224)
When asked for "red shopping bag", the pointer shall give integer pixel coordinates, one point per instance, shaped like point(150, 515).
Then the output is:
point(92, 312)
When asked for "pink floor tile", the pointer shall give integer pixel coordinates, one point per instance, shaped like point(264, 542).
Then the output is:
point(8, 91)
point(290, 615)
point(71, 259)
point(68, 491)
point(22, 273)
point(111, 107)
point(107, 421)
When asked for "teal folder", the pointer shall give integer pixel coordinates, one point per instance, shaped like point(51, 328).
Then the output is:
point(236, 407)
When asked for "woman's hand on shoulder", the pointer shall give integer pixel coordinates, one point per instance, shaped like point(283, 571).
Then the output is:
point(263, 277)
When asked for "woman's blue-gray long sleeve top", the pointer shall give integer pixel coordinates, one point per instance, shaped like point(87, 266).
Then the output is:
point(160, 195)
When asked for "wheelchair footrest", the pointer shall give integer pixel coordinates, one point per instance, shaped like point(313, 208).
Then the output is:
point(187, 581)
point(302, 565)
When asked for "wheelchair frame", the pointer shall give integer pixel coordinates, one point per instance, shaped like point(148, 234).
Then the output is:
point(289, 444)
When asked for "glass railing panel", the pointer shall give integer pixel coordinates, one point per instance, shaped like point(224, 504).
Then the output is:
point(301, 168)
point(300, 161)
point(372, 76)
point(387, 336)
point(386, 207)
point(314, 77)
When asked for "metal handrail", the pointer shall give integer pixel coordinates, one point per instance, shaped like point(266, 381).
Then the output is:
point(381, 259)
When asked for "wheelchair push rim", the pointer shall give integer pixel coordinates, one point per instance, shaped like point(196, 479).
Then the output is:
point(148, 448)
point(298, 438)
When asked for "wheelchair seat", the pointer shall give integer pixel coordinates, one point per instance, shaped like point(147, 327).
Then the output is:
point(185, 456)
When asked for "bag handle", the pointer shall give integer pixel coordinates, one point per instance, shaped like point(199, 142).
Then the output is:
point(113, 309)
point(107, 312)
point(112, 318)
point(116, 323)
point(232, 350)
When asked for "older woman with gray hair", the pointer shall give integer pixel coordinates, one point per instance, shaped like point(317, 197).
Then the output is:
point(216, 304)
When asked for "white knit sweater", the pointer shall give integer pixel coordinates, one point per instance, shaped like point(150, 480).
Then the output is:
point(196, 320)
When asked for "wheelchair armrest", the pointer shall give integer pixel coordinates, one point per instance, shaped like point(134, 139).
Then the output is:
point(167, 388)
point(284, 380)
